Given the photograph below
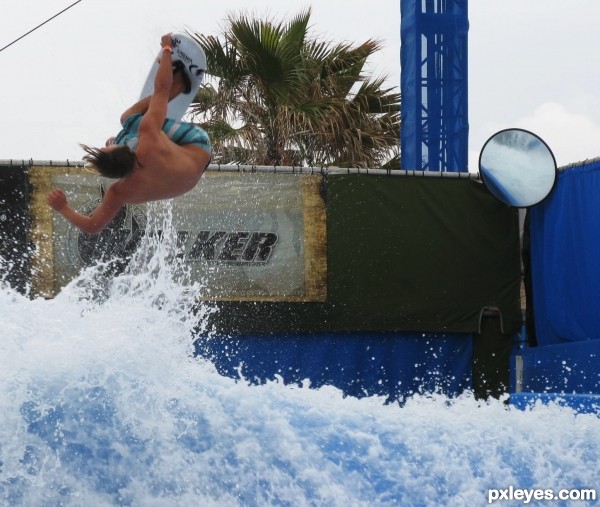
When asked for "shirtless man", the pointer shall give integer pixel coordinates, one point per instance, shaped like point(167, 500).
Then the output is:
point(152, 158)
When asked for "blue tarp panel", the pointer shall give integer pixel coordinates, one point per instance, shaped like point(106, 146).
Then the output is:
point(565, 258)
point(393, 365)
point(562, 368)
point(582, 403)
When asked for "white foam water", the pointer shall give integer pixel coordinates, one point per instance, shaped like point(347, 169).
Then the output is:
point(102, 402)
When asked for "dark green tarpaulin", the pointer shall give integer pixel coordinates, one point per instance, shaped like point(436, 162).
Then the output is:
point(15, 249)
point(404, 254)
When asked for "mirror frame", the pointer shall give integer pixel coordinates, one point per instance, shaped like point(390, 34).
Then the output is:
point(492, 187)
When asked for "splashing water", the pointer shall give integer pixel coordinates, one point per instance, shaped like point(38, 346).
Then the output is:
point(103, 403)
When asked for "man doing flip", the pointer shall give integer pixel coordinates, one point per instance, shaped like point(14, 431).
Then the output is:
point(152, 157)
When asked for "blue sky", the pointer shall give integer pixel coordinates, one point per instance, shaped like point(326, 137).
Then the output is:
point(532, 65)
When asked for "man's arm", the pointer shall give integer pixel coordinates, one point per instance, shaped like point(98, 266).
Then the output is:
point(152, 122)
point(142, 105)
point(101, 216)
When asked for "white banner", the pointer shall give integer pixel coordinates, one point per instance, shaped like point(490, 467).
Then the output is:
point(245, 236)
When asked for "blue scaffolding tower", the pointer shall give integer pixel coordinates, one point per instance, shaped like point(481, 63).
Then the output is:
point(434, 51)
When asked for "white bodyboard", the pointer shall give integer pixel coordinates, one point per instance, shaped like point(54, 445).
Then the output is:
point(191, 54)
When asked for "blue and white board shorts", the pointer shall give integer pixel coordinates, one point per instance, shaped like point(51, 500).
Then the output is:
point(180, 133)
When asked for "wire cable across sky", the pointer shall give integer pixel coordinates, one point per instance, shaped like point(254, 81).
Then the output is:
point(42, 24)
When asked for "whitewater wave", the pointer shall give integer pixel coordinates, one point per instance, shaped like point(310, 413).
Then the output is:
point(103, 402)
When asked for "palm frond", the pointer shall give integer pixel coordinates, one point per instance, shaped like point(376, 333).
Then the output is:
point(281, 96)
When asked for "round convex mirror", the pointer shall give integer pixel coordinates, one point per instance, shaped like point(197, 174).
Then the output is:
point(517, 167)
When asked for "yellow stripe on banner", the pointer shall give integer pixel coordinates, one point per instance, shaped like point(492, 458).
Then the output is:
point(42, 227)
point(315, 238)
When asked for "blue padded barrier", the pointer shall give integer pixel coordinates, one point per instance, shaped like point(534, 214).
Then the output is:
point(393, 365)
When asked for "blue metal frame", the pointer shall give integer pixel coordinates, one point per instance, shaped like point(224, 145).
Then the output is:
point(434, 53)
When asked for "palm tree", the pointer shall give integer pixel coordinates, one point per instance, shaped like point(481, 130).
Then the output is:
point(278, 97)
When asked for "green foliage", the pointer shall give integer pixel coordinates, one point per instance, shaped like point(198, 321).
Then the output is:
point(276, 96)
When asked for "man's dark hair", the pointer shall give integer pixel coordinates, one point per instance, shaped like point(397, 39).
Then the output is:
point(116, 163)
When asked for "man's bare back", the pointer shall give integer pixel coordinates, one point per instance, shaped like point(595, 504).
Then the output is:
point(163, 172)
